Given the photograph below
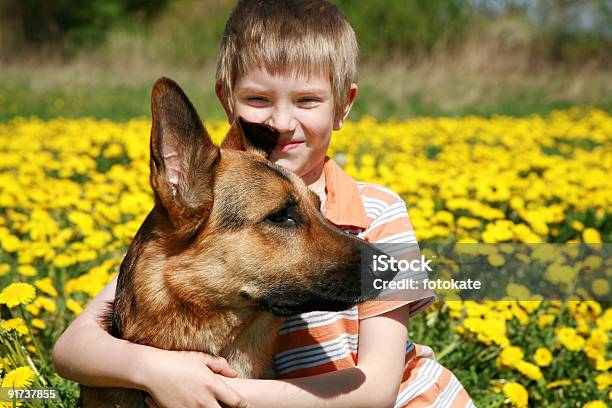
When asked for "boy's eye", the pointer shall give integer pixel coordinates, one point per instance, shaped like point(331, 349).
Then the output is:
point(257, 99)
point(309, 102)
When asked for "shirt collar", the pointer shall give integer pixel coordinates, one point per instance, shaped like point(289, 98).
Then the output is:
point(343, 205)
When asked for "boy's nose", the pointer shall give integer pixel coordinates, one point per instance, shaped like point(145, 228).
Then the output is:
point(282, 120)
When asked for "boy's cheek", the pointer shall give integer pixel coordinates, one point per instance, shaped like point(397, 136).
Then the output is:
point(250, 114)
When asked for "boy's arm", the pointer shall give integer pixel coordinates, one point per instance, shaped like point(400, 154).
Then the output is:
point(88, 354)
point(373, 383)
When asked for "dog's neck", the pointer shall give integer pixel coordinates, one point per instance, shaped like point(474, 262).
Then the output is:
point(163, 320)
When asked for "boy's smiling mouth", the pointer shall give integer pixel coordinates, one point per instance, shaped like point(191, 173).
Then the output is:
point(287, 145)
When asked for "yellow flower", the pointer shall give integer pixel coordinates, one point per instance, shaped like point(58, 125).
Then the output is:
point(46, 286)
point(4, 269)
point(33, 309)
point(599, 336)
point(496, 259)
point(74, 306)
point(17, 294)
point(39, 324)
point(577, 225)
point(542, 357)
point(16, 324)
point(601, 364)
point(559, 383)
point(595, 404)
point(591, 236)
point(545, 320)
point(530, 305)
point(520, 314)
point(516, 393)
point(10, 243)
point(46, 303)
point(26, 270)
point(604, 322)
point(603, 381)
point(64, 260)
point(570, 339)
point(529, 370)
point(510, 356)
point(600, 287)
point(20, 377)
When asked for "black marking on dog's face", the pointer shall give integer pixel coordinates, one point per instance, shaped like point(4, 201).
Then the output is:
point(260, 175)
point(287, 215)
point(277, 170)
point(289, 300)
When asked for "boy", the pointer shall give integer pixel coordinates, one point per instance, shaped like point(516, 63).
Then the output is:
point(291, 65)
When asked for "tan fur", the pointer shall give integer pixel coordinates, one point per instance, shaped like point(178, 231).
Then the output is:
point(213, 268)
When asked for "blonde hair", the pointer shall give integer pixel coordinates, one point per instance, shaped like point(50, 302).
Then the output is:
point(288, 37)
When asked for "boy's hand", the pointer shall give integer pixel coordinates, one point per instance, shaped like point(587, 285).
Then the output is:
point(187, 379)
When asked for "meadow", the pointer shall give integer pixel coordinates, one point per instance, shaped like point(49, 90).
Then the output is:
point(74, 191)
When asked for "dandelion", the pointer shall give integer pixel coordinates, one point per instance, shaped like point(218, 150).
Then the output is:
point(570, 339)
point(595, 404)
point(46, 286)
point(16, 324)
point(74, 306)
point(517, 394)
point(600, 287)
point(39, 324)
point(577, 225)
point(17, 294)
point(591, 236)
point(4, 269)
point(603, 381)
point(510, 356)
point(545, 320)
point(556, 384)
point(529, 370)
point(20, 377)
point(10, 243)
point(26, 270)
point(46, 303)
point(542, 357)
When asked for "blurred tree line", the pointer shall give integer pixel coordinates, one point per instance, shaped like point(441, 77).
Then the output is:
point(188, 31)
point(68, 25)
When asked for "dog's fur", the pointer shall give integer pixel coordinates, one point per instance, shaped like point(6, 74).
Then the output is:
point(233, 244)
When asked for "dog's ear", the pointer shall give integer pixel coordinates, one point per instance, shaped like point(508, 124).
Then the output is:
point(183, 159)
point(252, 137)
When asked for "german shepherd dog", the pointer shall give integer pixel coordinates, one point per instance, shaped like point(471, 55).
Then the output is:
point(233, 244)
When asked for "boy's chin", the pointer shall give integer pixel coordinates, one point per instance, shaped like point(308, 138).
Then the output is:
point(287, 161)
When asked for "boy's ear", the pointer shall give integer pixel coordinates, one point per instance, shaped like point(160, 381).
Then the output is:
point(339, 120)
point(251, 137)
point(223, 101)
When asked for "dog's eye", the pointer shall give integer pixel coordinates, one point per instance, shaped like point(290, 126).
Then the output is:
point(281, 218)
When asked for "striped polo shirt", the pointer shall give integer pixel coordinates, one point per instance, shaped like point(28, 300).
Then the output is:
point(319, 342)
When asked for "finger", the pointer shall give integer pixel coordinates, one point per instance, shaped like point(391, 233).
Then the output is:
point(228, 397)
point(150, 402)
point(220, 366)
point(212, 404)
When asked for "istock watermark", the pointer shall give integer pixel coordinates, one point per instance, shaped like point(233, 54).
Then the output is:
point(383, 263)
point(504, 271)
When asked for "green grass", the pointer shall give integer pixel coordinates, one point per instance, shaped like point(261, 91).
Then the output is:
point(108, 90)
point(119, 103)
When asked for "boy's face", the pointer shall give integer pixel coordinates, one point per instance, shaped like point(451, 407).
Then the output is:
point(300, 108)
